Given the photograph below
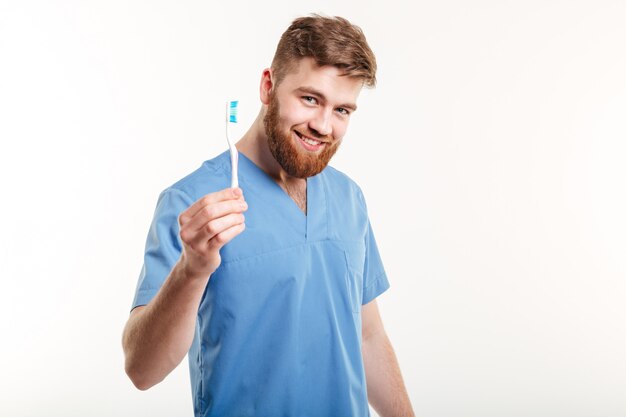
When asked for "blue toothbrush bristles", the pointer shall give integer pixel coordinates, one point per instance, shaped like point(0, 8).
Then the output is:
point(233, 112)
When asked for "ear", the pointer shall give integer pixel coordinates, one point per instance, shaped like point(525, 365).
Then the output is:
point(266, 86)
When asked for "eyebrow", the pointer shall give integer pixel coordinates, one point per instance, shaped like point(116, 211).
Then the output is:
point(312, 91)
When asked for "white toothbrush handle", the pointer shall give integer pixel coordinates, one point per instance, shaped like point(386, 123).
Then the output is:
point(234, 160)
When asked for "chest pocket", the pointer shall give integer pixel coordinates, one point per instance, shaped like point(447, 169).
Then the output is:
point(354, 254)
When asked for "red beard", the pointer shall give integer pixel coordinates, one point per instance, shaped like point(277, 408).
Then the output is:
point(295, 161)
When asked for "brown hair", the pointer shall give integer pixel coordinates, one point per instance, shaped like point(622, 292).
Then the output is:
point(330, 41)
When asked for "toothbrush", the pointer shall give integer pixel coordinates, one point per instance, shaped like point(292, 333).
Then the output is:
point(231, 117)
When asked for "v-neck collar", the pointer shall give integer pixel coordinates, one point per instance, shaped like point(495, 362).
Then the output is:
point(313, 223)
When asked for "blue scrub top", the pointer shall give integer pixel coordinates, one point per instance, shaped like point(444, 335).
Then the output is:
point(278, 331)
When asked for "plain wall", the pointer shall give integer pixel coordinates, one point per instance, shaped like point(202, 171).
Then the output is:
point(491, 155)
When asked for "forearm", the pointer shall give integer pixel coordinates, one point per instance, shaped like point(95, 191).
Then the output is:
point(385, 387)
point(158, 337)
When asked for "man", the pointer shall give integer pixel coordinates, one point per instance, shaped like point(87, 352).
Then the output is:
point(277, 310)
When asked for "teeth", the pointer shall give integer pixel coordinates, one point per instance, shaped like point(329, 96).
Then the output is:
point(310, 141)
point(307, 140)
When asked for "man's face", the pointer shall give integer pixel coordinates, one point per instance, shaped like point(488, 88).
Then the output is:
point(307, 117)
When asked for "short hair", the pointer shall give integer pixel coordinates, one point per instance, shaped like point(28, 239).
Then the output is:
point(329, 41)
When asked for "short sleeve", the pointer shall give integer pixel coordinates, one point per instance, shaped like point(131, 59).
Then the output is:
point(163, 245)
point(375, 280)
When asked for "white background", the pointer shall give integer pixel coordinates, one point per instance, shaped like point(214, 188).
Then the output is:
point(491, 155)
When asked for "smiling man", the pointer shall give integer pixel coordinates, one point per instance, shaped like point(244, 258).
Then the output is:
point(276, 310)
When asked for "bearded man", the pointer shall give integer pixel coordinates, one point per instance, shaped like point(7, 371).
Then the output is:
point(276, 310)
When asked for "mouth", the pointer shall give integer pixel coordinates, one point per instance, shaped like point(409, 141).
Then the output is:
point(308, 143)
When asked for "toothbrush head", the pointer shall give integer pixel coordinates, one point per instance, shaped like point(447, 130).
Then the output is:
point(232, 111)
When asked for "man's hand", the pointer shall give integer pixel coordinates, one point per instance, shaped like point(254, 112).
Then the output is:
point(158, 335)
point(206, 226)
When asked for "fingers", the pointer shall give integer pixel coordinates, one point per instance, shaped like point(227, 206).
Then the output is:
point(212, 221)
point(213, 229)
point(207, 201)
point(226, 236)
point(204, 259)
point(212, 212)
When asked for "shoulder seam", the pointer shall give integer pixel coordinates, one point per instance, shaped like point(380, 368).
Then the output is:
point(173, 188)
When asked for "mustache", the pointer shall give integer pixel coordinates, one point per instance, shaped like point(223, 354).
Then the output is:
point(315, 135)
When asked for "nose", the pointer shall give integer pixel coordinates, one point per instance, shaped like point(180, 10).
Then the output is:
point(321, 122)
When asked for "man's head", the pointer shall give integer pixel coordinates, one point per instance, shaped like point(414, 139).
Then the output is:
point(317, 73)
point(331, 41)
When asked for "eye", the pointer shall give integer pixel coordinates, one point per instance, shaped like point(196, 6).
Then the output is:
point(309, 99)
point(343, 111)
